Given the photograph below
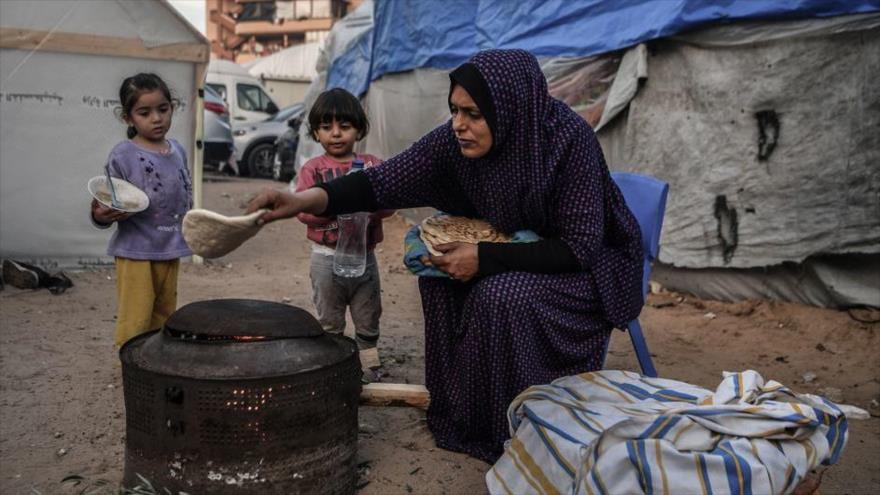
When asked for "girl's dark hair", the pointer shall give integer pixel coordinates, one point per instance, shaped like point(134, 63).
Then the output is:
point(133, 87)
point(340, 105)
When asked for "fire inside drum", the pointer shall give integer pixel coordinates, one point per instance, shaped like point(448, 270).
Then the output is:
point(241, 396)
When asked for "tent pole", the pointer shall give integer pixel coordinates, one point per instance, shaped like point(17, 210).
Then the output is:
point(198, 161)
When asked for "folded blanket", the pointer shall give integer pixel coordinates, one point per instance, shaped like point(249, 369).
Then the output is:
point(415, 249)
point(620, 432)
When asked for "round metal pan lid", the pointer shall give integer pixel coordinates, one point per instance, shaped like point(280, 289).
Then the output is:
point(242, 320)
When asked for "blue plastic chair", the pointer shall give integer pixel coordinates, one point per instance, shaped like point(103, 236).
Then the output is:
point(646, 198)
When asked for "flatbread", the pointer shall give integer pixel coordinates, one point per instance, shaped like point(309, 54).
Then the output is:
point(212, 235)
point(442, 229)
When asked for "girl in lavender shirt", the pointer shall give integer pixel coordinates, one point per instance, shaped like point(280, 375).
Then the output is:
point(147, 245)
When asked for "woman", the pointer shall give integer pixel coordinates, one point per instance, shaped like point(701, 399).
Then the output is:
point(515, 315)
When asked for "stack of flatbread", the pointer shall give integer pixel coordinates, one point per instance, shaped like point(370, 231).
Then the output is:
point(441, 229)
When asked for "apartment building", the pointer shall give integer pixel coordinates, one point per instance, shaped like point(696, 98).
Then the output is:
point(242, 30)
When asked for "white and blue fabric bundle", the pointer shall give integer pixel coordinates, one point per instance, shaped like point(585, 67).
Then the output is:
point(415, 250)
point(611, 432)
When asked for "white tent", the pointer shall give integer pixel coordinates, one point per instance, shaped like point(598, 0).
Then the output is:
point(286, 74)
point(61, 64)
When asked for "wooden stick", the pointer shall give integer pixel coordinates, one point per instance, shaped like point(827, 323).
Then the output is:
point(54, 41)
point(395, 394)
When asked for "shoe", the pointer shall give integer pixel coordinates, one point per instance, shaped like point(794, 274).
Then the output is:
point(18, 276)
point(370, 358)
point(58, 283)
point(368, 376)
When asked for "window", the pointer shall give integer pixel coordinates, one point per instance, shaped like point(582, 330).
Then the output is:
point(220, 89)
point(253, 98)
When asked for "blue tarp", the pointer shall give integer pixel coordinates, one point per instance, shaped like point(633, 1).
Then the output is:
point(409, 34)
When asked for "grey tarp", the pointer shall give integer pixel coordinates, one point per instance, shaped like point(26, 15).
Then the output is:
point(696, 122)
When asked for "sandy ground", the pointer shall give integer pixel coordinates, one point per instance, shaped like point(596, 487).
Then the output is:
point(61, 405)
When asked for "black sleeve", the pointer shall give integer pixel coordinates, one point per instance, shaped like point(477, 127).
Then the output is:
point(544, 256)
point(348, 194)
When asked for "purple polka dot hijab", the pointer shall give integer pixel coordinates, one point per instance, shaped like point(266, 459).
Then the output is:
point(511, 186)
point(545, 173)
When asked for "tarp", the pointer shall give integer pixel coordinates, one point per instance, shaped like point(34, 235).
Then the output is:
point(415, 34)
point(690, 109)
point(344, 47)
point(771, 152)
point(57, 121)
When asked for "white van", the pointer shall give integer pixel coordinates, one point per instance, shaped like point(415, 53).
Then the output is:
point(243, 93)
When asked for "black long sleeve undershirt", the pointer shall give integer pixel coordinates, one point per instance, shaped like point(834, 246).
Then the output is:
point(544, 256)
point(348, 194)
point(354, 192)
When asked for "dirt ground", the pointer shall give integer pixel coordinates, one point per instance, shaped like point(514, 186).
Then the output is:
point(61, 404)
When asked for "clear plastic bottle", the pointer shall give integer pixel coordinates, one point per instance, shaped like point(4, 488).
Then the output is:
point(350, 259)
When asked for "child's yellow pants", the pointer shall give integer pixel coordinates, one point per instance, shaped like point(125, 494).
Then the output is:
point(146, 294)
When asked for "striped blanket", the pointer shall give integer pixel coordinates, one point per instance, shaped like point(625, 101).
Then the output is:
point(617, 432)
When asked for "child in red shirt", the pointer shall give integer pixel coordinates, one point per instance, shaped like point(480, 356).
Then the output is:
point(337, 121)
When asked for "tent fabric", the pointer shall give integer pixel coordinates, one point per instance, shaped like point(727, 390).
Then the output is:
point(633, 70)
point(829, 281)
point(442, 35)
point(697, 123)
point(345, 33)
point(155, 25)
point(44, 203)
point(296, 63)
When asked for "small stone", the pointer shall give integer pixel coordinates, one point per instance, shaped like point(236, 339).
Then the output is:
point(367, 428)
point(875, 404)
point(81, 327)
point(61, 452)
point(809, 377)
point(831, 393)
point(58, 434)
point(710, 315)
point(286, 300)
point(111, 386)
point(655, 287)
point(781, 325)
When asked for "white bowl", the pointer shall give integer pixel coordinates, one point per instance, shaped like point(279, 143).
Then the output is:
point(132, 199)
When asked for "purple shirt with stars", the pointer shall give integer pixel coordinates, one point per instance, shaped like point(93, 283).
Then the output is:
point(155, 233)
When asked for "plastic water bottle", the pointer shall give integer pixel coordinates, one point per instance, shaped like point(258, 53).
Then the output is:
point(350, 259)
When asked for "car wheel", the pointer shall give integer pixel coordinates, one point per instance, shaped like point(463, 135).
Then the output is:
point(260, 160)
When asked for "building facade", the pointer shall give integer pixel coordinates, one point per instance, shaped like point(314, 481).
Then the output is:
point(242, 30)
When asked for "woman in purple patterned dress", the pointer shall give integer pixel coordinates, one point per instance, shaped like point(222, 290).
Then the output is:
point(513, 315)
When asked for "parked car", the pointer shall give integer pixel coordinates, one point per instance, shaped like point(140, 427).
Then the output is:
point(242, 92)
point(217, 132)
point(284, 168)
point(255, 142)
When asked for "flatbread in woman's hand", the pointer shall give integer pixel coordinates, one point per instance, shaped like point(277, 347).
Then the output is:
point(442, 229)
point(212, 235)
